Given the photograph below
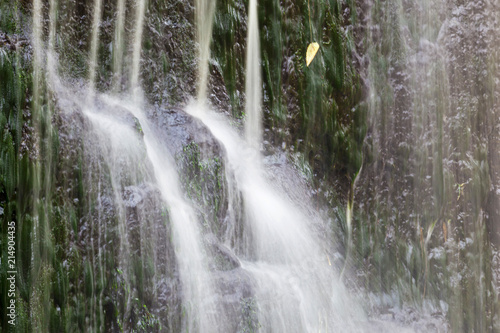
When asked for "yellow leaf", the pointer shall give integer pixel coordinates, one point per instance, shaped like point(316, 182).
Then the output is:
point(312, 49)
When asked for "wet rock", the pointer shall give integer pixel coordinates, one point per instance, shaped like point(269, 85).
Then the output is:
point(12, 42)
point(178, 129)
point(234, 285)
point(223, 258)
point(235, 294)
point(133, 196)
point(170, 304)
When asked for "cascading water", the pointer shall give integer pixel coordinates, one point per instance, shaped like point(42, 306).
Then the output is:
point(118, 45)
point(253, 81)
point(94, 44)
point(296, 287)
point(137, 47)
point(186, 236)
point(123, 156)
point(204, 11)
point(197, 288)
point(149, 215)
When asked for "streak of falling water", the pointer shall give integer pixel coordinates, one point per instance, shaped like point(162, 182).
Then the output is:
point(56, 87)
point(197, 286)
point(202, 312)
point(120, 152)
point(52, 34)
point(101, 232)
point(296, 288)
point(115, 177)
point(94, 45)
point(38, 52)
point(37, 48)
point(118, 44)
point(253, 81)
point(205, 10)
point(47, 116)
point(187, 237)
point(137, 46)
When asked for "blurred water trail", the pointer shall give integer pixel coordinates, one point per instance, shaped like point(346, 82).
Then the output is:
point(273, 234)
point(296, 289)
point(204, 11)
point(118, 45)
point(137, 47)
point(253, 80)
point(197, 287)
point(94, 45)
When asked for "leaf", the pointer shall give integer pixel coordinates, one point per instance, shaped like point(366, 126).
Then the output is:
point(312, 49)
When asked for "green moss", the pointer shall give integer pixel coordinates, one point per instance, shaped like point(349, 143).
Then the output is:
point(249, 322)
point(203, 179)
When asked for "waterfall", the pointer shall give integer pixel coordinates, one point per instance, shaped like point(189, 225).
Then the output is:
point(253, 84)
point(204, 11)
point(52, 34)
point(137, 46)
point(119, 44)
point(38, 50)
point(202, 313)
point(94, 45)
point(296, 288)
point(123, 151)
point(192, 262)
point(148, 212)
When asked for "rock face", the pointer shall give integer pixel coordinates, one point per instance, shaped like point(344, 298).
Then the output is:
point(234, 288)
point(179, 130)
point(223, 258)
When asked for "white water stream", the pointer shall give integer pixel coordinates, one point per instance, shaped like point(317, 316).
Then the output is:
point(118, 45)
point(96, 20)
point(253, 81)
point(295, 286)
point(137, 46)
point(204, 11)
point(297, 289)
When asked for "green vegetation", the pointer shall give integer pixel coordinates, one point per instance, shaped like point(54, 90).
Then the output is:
point(16, 161)
point(204, 181)
point(303, 105)
point(426, 141)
